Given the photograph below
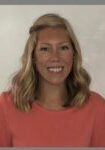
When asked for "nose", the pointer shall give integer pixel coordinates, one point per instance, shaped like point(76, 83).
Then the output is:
point(55, 56)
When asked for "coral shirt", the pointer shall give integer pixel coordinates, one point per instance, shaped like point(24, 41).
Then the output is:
point(41, 127)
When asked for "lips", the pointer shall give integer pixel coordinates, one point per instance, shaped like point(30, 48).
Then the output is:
point(55, 68)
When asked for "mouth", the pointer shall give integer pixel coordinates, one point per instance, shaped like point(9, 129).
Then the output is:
point(55, 69)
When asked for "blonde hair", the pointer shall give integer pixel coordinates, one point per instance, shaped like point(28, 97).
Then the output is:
point(25, 84)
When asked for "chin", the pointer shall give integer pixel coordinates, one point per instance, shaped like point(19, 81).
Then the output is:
point(56, 81)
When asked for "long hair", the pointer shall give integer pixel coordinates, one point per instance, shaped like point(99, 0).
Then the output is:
point(25, 83)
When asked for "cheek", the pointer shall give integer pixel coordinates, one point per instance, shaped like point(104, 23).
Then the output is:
point(68, 59)
point(41, 60)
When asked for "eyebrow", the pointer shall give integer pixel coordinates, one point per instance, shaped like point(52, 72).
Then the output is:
point(66, 42)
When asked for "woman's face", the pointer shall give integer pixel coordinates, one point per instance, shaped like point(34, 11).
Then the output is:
point(53, 55)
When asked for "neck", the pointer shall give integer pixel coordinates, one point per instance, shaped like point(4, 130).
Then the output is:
point(52, 96)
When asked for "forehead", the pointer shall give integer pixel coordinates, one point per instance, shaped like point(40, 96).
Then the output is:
point(49, 34)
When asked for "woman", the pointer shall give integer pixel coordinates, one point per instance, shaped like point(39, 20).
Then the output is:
point(49, 103)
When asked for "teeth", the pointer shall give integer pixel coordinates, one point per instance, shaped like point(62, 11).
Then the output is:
point(53, 69)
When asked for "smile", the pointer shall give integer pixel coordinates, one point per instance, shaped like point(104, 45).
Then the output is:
point(55, 69)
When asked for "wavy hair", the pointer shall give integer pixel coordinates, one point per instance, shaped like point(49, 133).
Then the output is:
point(25, 83)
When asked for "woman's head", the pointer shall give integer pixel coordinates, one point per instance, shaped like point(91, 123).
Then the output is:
point(26, 81)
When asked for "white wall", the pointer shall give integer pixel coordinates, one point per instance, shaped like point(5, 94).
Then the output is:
point(89, 25)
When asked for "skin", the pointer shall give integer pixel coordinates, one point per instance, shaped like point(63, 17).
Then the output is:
point(53, 49)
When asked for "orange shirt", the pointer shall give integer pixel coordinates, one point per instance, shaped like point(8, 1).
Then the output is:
point(41, 127)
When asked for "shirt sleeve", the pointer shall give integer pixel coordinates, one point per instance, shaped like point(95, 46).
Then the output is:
point(98, 137)
point(5, 136)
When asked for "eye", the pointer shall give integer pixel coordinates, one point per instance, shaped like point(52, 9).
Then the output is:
point(44, 48)
point(65, 47)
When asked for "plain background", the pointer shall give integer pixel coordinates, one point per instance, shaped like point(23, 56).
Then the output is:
point(88, 22)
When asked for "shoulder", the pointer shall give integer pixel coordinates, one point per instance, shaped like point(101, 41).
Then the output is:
point(5, 95)
point(97, 102)
point(6, 100)
point(96, 98)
